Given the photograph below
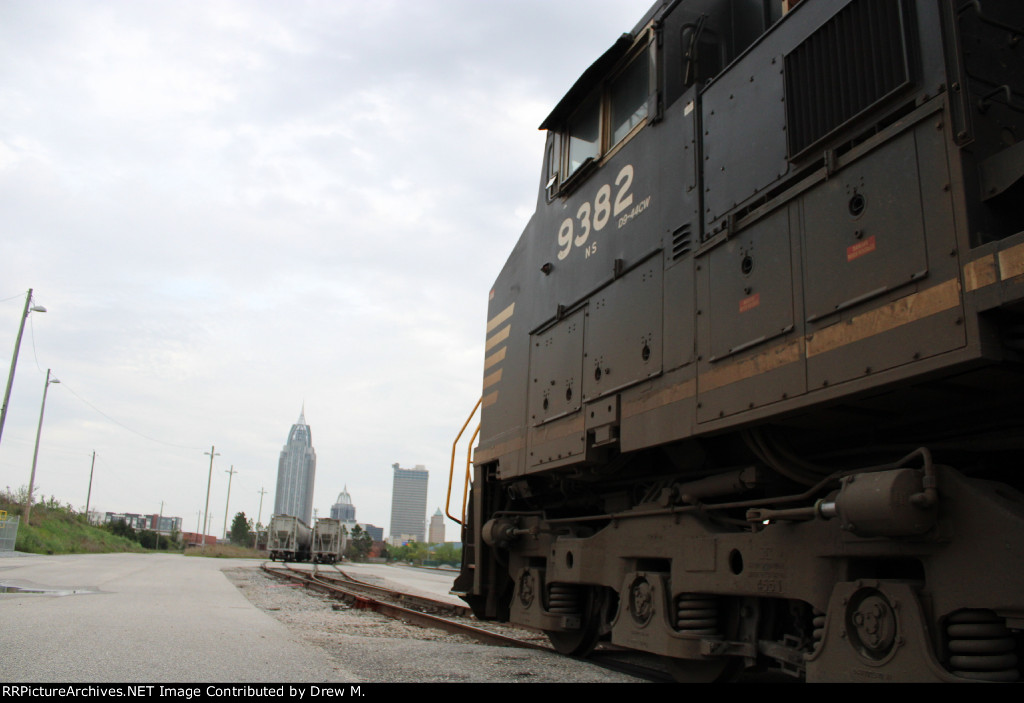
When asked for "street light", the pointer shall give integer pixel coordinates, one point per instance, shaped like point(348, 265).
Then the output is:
point(35, 454)
point(209, 480)
point(14, 359)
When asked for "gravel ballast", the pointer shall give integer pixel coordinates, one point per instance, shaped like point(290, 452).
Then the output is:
point(376, 648)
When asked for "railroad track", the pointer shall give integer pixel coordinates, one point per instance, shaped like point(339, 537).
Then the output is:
point(429, 605)
point(447, 617)
point(386, 601)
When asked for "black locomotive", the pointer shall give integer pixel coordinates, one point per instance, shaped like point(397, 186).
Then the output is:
point(753, 392)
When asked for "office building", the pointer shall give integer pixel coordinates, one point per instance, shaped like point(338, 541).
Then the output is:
point(296, 473)
point(409, 503)
point(343, 510)
point(437, 528)
point(376, 533)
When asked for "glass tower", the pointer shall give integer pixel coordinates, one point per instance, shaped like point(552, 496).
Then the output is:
point(296, 472)
point(409, 503)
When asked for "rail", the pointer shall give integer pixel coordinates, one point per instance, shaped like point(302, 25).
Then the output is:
point(451, 469)
point(424, 613)
point(410, 615)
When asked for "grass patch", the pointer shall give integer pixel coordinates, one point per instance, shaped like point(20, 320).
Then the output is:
point(59, 536)
point(59, 529)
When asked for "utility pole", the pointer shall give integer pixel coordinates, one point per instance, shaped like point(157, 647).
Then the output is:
point(88, 495)
point(14, 359)
point(260, 515)
point(35, 453)
point(209, 481)
point(231, 474)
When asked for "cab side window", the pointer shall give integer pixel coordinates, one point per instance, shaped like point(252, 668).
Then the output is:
point(628, 97)
point(584, 132)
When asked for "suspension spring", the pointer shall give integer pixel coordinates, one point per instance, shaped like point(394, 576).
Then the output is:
point(564, 599)
point(818, 630)
point(697, 614)
point(981, 647)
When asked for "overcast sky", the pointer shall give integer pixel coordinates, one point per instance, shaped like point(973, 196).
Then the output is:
point(232, 209)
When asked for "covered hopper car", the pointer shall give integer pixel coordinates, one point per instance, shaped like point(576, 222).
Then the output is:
point(289, 539)
point(328, 541)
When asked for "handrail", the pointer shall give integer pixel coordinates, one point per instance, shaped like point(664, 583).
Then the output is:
point(451, 469)
point(469, 463)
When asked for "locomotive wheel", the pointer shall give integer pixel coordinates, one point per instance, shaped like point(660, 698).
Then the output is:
point(575, 643)
point(701, 670)
point(581, 642)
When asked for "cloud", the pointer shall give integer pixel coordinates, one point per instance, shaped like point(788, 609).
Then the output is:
point(232, 208)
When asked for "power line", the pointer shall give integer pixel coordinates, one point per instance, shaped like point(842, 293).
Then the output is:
point(32, 334)
point(35, 355)
point(125, 427)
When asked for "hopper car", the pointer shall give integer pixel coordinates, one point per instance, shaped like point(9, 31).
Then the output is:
point(289, 539)
point(328, 541)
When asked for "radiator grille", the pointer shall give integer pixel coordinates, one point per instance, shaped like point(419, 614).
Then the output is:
point(854, 61)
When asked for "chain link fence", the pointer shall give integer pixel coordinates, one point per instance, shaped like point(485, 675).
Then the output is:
point(8, 531)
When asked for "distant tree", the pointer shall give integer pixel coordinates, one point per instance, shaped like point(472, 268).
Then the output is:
point(241, 531)
point(420, 551)
point(397, 552)
point(123, 529)
point(148, 539)
point(448, 553)
point(359, 543)
point(411, 551)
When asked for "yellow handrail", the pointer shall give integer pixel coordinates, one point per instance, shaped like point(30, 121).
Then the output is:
point(451, 469)
point(469, 463)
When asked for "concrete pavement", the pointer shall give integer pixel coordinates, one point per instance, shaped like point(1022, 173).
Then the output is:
point(143, 618)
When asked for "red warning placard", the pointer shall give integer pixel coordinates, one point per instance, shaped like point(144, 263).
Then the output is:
point(855, 251)
point(750, 303)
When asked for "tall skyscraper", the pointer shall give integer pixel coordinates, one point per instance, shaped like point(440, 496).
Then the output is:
point(296, 472)
point(409, 503)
